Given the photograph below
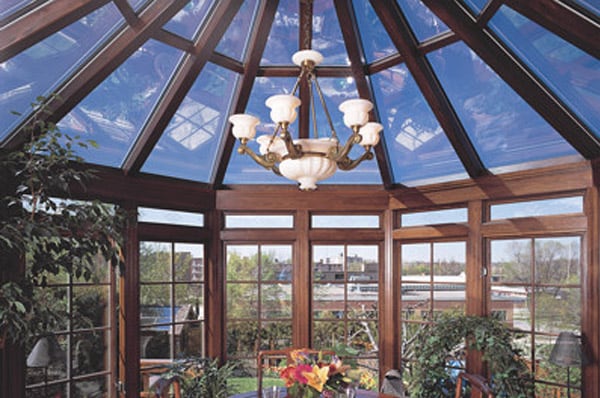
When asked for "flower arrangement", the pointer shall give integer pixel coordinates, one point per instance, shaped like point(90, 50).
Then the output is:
point(308, 375)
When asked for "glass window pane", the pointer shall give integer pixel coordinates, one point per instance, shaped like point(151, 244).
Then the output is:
point(567, 70)
point(363, 263)
point(557, 309)
point(328, 263)
point(189, 145)
point(276, 300)
point(41, 68)
point(115, 112)
point(259, 221)
point(9, 7)
point(416, 262)
point(328, 301)
point(276, 262)
point(188, 21)
point(424, 23)
point(328, 334)
point(235, 40)
point(511, 261)
point(365, 336)
point(557, 261)
point(419, 150)
point(155, 261)
point(189, 302)
point(345, 221)
point(94, 387)
point(155, 342)
point(489, 109)
point(242, 300)
point(242, 262)
point(242, 338)
point(89, 352)
point(190, 342)
point(189, 262)
point(375, 40)
point(90, 306)
point(276, 336)
point(172, 217)
point(449, 262)
point(434, 217)
point(56, 299)
point(155, 305)
point(533, 208)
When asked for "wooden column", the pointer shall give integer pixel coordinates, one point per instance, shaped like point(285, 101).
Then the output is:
point(302, 277)
point(129, 316)
point(216, 340)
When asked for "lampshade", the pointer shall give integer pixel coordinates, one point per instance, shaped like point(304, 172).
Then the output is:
point(567, 350)
point(370, 134)
point(244, 126)
point(283, 108)
point(356, 111)
point(45, 352)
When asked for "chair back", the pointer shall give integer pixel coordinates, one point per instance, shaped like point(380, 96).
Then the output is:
point(479, 386)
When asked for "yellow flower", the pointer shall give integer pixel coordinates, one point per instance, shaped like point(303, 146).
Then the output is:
point(317, 378)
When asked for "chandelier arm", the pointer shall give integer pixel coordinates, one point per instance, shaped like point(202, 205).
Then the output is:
point(327, 115)
point(337, 155)
point(294, 151)
point(268, 161)
point(348, 164)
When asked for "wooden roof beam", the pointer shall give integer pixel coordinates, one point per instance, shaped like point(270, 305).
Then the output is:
point(399, 30)
point(258, 41)
point(216, 26)
point(48, 18)
point(514, 73)
point(347, 19)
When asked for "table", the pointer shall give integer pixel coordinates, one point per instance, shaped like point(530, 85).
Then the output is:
point(359, 394)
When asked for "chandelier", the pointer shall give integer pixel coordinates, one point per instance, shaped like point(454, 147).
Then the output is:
point(307, 160)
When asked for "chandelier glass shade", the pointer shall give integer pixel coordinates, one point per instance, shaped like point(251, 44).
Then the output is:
point(307, 160)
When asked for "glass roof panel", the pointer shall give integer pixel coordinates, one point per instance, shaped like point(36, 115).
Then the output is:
point(476, 5)
point(571, 73)
point(190, 143)
point(283, 39)
point(187, 22)
point(418, 149)
point(242, 169)
point(424, 23)
point(327, 35)
point(592, 5)
point(9, 7)
point(114, 113)
point(375, 40)
point(39, 70)
point(502, 126)
point(235, 39)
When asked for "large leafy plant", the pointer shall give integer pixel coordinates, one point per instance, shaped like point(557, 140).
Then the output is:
point(43, 232)
point(510, 375)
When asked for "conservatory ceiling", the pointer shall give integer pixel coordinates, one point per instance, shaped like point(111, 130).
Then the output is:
point(462, 88)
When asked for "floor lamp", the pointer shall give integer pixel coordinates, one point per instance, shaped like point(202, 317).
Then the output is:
point(567, 352)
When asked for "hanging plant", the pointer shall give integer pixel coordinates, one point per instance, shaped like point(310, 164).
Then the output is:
point(44, 232)
point(510, 375)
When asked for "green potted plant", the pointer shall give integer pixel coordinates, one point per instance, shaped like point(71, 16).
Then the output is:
point(43, 231)
point(431, 373)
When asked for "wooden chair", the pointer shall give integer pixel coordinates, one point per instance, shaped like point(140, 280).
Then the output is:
point(479, 386)
point(154, 384)
point(280, 355)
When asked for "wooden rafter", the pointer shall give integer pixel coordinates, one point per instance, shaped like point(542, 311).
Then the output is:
point(258, 41)
point(399, 30)
point(347, 19)
point(514, 73)
point(209, 38)
point(40, 23)
point(107, 60)
point(563, 20)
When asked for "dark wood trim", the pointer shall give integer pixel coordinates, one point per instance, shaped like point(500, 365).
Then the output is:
point(488, 12)
point(302, 287)
point(227, 62)
point(346, 234)
point(563, 178)
point(476, 292)
point(192, 66)
point(127, 12)
point(129, 316)
point(390, 298)
point(563, 20)
point(170, 233)
point(532, 90)
point(436, 42)
point(216, 342)
point(568, 224)
point(45, 20)
point(90, 75)
point(356, 54)
point(590, 294)
point(434, 231)
point(173, 40)
point(258, 41)
point(401, 34)
point(265, 234)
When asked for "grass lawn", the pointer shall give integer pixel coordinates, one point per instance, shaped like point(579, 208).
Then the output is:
point(245, 384)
